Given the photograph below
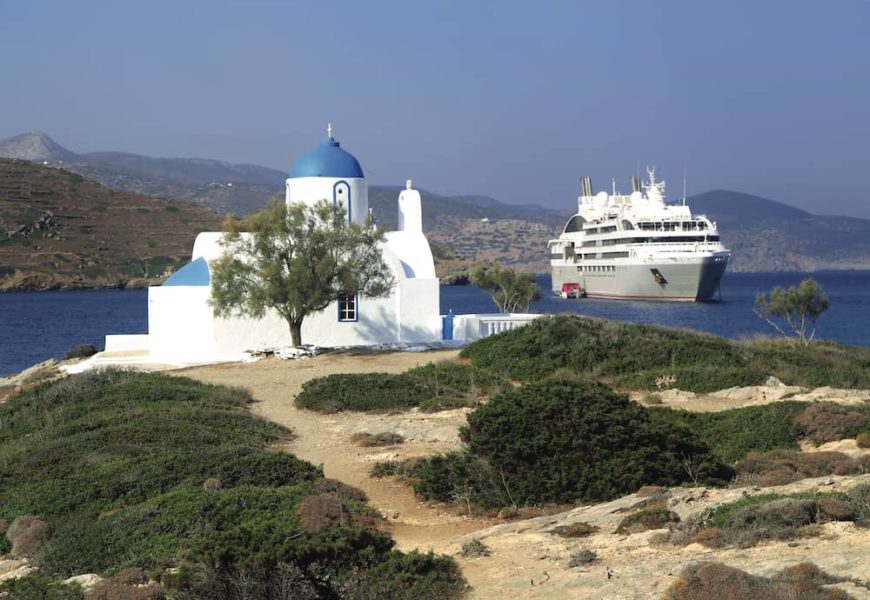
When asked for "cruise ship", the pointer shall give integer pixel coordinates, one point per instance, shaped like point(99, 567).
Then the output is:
point(637, 247)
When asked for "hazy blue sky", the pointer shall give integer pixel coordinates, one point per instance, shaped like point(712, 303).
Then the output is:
point(509, 99)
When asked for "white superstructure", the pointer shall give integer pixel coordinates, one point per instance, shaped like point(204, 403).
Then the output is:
point(637, 247)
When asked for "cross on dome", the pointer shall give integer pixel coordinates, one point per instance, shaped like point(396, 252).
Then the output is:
point(329, 130)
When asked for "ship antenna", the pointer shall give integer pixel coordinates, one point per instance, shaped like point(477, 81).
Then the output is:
point(685, 172)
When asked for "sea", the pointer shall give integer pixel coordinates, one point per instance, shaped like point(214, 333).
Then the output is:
point(35, 326)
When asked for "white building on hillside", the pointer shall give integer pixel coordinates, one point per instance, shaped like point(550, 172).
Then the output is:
point(183, 329)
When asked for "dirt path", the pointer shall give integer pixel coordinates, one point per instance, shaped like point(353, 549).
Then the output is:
point(325, 439)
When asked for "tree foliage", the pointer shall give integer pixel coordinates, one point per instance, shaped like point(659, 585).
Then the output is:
point(510, 290)
point(795, 309)
point(296, 261)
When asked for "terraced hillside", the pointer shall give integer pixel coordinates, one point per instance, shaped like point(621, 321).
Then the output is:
point(60, 230)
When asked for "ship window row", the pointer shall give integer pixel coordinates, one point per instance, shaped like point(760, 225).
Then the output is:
point(671, 225)
point(607, 255)
point(642, 240)
point(597, 268)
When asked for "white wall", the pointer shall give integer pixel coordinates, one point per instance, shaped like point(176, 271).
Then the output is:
point(310, 190)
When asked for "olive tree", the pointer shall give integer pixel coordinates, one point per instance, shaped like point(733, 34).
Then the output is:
point(510, 290)
point(296, 261)
point(796, 308)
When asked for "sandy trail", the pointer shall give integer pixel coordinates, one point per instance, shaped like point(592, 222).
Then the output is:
point(324, 439)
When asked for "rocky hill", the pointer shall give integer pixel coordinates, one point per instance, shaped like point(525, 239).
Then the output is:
point(61, 230)
point(764, 235)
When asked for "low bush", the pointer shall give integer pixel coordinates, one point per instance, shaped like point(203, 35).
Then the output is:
point(39, 587)
point(780, 467)
point(375, 440)
point(27, 535)
point(439, 403)
point(475, 548)
point(700, 362)
point(715, 581)
point(562, 441)
point(752, 519)
point(732, 434)
point(574, 530)
point(863, 440)
point(582, 557)
point(646, 519)
point(384, 468)
point(410, 468)
point(435, 386)
point(828, 422)
point(82, 351)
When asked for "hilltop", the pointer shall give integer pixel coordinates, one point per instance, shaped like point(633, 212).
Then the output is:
point(61, 230)
point(765, 235)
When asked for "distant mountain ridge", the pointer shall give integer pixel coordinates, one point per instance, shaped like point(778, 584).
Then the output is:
point(763, 234)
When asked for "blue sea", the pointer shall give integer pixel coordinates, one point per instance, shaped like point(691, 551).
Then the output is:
point(35, 326)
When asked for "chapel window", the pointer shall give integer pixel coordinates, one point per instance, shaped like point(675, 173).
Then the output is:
point(347, 307)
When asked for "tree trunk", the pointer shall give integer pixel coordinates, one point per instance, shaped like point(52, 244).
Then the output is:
point(295, 331)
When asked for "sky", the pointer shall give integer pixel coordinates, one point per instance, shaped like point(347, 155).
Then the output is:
point(515, 100)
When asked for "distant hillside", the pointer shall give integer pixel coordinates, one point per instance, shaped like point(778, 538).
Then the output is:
point(60, 230)
point(764, 235)
point(221, 186)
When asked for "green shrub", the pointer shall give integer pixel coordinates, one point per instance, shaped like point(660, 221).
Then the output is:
point(700, 362)
point(39, 587)
point(82, 351)
point(733, 433)
point(439, 403)
point(560, 441)
point(582, 557)
point(445, 384)
point(475, 548)
point(384, 468)
point(461, 478)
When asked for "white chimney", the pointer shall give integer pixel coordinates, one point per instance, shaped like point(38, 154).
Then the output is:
point(410, 209)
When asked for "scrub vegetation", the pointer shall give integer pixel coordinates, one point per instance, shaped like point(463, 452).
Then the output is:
point(715, 581)
point(115, 470)
point(436, 386)
point(754, 519)
point(630, 356)
point(562, 441)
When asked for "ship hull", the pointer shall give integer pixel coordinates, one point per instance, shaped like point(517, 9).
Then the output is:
point(695, 280)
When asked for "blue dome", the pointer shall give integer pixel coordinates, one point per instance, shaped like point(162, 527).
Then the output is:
point(327, 160)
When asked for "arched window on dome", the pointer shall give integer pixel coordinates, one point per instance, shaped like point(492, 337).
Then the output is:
point(341, 196)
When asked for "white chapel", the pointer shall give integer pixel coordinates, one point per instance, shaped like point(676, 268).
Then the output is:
point(183, 329)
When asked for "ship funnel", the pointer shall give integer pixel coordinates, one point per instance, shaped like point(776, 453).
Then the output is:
point(586, 186)
point(635, 183)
